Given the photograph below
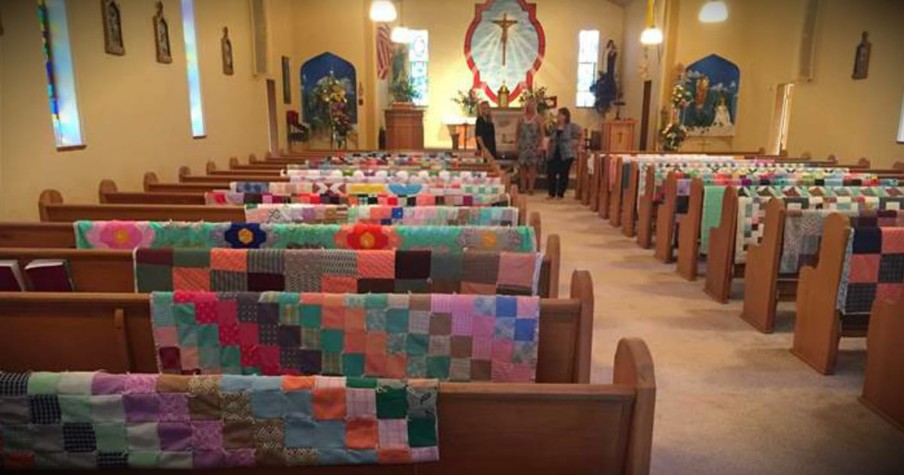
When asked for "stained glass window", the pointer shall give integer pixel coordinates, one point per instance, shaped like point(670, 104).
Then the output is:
point(61, 91)
point(194, 73)
point(588, 57)
point(418, 61)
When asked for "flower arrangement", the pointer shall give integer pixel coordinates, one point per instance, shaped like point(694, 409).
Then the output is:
point(681, 96)
point(544, 103)
point(672, 136)
point(330, 105)
point(403, 90)
point(468, 101)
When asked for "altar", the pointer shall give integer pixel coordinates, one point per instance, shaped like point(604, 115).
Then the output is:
point(506, 121)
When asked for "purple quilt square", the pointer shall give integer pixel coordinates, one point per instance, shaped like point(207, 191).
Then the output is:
point(289, 336)
point(266, 282)
point(108, 384)
point(207, 435)
point(175, 436)
point(140, 384)
point(240, 458)
point(208, 458)
point(311, 361)
point(268, 313)
point(174, 407)
point(141, 407)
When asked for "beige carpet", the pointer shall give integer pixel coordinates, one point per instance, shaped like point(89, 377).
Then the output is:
point(730, 400)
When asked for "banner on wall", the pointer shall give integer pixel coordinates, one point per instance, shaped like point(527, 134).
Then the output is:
point(504, 45)
point(714, 84)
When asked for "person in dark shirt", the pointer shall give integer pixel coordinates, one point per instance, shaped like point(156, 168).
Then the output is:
point(485, 131)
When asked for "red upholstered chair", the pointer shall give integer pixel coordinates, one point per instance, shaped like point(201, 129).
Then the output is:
point(297, 131)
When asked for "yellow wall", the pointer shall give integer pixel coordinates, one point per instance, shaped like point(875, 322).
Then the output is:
point(134, 111)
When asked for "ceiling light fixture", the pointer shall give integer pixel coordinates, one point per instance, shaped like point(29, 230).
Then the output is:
point(401, 34)
point(383, 11)
point(713, 12)
point(652, 35)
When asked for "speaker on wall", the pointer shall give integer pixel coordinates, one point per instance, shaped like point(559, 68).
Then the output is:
point(260, 41)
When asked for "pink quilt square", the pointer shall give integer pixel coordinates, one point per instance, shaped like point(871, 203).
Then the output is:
point(864, 268)
point(528, 306)
point(189, 356)
point(484, 326)
point(511, 373)
point(517, 269)
point(464, 304)
point(227, 312)
point(443, 303)
point(235, 260)
point(379, 264)
point(462, 324)
point(248, 334)
point(890, 292)
point(166, 336)
point(482, 348)
point(892, 240)
point(502, 350)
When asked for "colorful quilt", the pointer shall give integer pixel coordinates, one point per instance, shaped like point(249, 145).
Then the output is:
point(355, 172)
point(384, 199)
point(203, 235)
point(434, 215)
point(712, 214)
point(76, 421)
point(295, 213)
point(343, 188)
point(446, 337)
point(337, 271)
point(874, 269)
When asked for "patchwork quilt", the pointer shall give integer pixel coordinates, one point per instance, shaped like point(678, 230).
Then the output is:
point(356, 172)
point(149, 421)
point(204, 235)
point(337, 271)
point(446, 337)
point(383, 199)
point(383, 215)
point(874, 269)
point(343, 188)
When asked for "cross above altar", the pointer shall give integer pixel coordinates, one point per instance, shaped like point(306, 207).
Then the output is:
point(505, 24)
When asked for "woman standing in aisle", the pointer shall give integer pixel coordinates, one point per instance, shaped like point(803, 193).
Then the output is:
point(485, 131)
point(528, 142)
point(564, 143)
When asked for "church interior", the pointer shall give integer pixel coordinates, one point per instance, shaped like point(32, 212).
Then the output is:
point(452, 236)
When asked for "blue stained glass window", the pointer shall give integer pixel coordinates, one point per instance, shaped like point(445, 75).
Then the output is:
point(59, 70)
point(418, 62)
point(194, 73)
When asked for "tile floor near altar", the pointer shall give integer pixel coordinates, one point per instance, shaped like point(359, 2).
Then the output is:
point(730, 400)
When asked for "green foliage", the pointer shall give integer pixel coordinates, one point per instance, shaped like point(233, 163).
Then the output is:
point(403, 90)
point(468, 101)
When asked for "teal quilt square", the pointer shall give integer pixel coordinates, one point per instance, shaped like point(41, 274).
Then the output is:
point(397, 320)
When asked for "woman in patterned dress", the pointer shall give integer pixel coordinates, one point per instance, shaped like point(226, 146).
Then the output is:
point(529, 142)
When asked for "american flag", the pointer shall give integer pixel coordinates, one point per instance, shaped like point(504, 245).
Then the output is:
point(384, 51)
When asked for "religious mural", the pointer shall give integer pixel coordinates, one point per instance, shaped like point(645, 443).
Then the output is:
point(319, 68)
point(713, 83)
point(504, 46)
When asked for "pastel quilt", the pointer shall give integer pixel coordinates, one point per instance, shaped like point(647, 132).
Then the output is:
point(203, 235)
point(434, 215)
point(383, 199)
point(446, 337)
point(87, 421)
point(337, 271)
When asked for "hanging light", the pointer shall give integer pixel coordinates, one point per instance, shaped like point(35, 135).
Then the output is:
point(713, 12)
point(383, 11)
point(400, 34)
point(652, 35)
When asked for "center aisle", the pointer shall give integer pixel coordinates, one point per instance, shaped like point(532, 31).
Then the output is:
point(730, 400)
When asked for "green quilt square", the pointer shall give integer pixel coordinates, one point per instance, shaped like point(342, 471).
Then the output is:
point(397, 343)
point(422, 432)
point(310, 338)
point(353, 365)
point(144, 459)
point(198, 258)
point(43, 383)
point(111, 437)
point(361, 383)
point(230, 357)
point(209, 356)
point(208, 336)
point(289, 315)
point(188, 336)
point(397, 320)
point(438, 367)
point(331, 364)
point(311, 315)
point(417, 344)
point(153, 278)
point(18, 438)
point(162, 309)
point(331, 340)
point(75, 408)
point(392, 403)
point(375, 319)
point(376, 301)
point(417, 367)
point(184, 314)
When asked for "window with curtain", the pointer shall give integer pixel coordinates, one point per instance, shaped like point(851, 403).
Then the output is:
point(418, 61)
point(588, 59)
point(60, 74)
point(196, 106)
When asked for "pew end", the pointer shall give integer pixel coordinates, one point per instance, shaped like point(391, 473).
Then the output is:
point(520, 202)
point(184, 171)
point(634, 367)
point(582, 290)
point(883, 389)
point(720, 259)
point(150, 178)
point(898, 166)
point(233, 162)
point(761, 272)
point(106, 186)
point(817, 327)
point(48, 197)
point(210, 167)
point(553, 253)
point(534, 222)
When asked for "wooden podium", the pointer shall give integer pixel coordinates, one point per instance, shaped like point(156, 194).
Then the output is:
point(404, 128)
point(618, 135)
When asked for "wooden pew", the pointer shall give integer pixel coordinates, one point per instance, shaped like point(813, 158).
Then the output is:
point(185, 176)
point(818, 325)
point(108, 193)
point(213, 170)
point(153, 184)
point(118, 325)
point(883, 389)
point(484, 427)
point(605, 194)
point(763, 287)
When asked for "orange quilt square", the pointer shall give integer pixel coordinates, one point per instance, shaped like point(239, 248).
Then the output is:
point(235, 260)
point(376, 343)
point(361, 434)
point(355, 342)
point(338, 284)
point(396, 366)
point(191, 279)
point(297, 383)
point(394, 456)
point(355, 319)
point(333, 318)
point(374, 364)
point(376, 264)
point(329, 403)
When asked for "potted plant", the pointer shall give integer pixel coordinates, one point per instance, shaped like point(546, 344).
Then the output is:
point(403, 93)
point(468, 101)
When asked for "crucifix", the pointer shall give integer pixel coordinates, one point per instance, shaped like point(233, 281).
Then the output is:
point(505, 24)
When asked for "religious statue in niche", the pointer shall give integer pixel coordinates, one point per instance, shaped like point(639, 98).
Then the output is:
point(712, 84)
point(605, 89)
point(161, 37)
point(861, 59)
point(112, 18)
point(226, 45)
point(504, 48)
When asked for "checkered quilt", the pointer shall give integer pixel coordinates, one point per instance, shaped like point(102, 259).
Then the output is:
point(203, 235)
point(343, 188)
point(149, 421)
point(874, 269)
point(447, 337)
point(382, 199)
point(337, 271)
point(384, 215)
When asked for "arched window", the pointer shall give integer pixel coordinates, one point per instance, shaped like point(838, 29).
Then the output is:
point(61, 90)
point(319, 67)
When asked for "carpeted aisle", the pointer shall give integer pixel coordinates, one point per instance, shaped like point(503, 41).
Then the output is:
point(730, 400)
